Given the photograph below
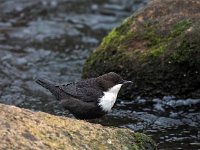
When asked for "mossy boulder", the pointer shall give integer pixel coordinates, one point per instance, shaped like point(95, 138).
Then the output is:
point(158, 48)
point(24, 129)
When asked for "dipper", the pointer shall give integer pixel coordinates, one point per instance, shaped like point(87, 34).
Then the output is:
point(89, 98)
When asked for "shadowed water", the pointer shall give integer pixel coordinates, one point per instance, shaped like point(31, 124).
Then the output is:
point(52, 39)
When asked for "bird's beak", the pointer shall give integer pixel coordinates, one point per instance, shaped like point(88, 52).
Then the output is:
point(127, 82)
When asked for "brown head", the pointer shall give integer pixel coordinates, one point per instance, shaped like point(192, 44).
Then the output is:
point(110, 79)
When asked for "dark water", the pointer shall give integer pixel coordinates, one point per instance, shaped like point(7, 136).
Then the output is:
point(52, 39)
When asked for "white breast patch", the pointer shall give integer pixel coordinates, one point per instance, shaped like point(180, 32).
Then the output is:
point(109, 98)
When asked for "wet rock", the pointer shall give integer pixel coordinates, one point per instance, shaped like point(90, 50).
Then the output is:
point(24, 129)
point(39, 30)
point(158, 48)
point(158, 107)
point(59, 24)
point(164, 122)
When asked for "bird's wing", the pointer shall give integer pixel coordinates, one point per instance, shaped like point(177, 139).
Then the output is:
point(89, 94)
point(84, 93)
point(69, 88)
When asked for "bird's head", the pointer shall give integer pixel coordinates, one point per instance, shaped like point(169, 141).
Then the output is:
point(110, 80)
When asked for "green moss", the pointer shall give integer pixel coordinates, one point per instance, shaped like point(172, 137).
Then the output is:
point(157, 51)
point(114, 47)
point(179, 28)
point(157, 43)
point(118, 35)
point(126, 25)
point(137, 141)
point(143, 142)
point(187, 48)
point(153, 52)
point(152, 36)
point(110, 38)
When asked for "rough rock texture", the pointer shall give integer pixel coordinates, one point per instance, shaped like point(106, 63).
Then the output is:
point(158, 48)
point(24, 129)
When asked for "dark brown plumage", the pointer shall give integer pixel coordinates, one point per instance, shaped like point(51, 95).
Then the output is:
point(82, 98)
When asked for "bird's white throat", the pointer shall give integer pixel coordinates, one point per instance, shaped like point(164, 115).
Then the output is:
point(108, 100)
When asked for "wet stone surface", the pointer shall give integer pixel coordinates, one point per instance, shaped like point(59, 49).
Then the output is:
point(172, 126)
point(52, 39)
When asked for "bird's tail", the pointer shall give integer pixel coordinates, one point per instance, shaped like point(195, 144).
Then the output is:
point(51, 86)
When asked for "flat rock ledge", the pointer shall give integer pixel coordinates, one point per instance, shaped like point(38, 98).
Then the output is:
point(25, 129)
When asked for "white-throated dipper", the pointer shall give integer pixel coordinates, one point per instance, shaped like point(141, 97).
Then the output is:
point(89, 98)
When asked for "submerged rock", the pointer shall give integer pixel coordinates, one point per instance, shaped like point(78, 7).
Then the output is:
point(24, 129)
point(158, 48)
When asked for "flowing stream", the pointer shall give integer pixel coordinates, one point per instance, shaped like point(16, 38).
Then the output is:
point(52, 39)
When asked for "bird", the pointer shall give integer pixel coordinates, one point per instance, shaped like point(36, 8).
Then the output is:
point(88, 98)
